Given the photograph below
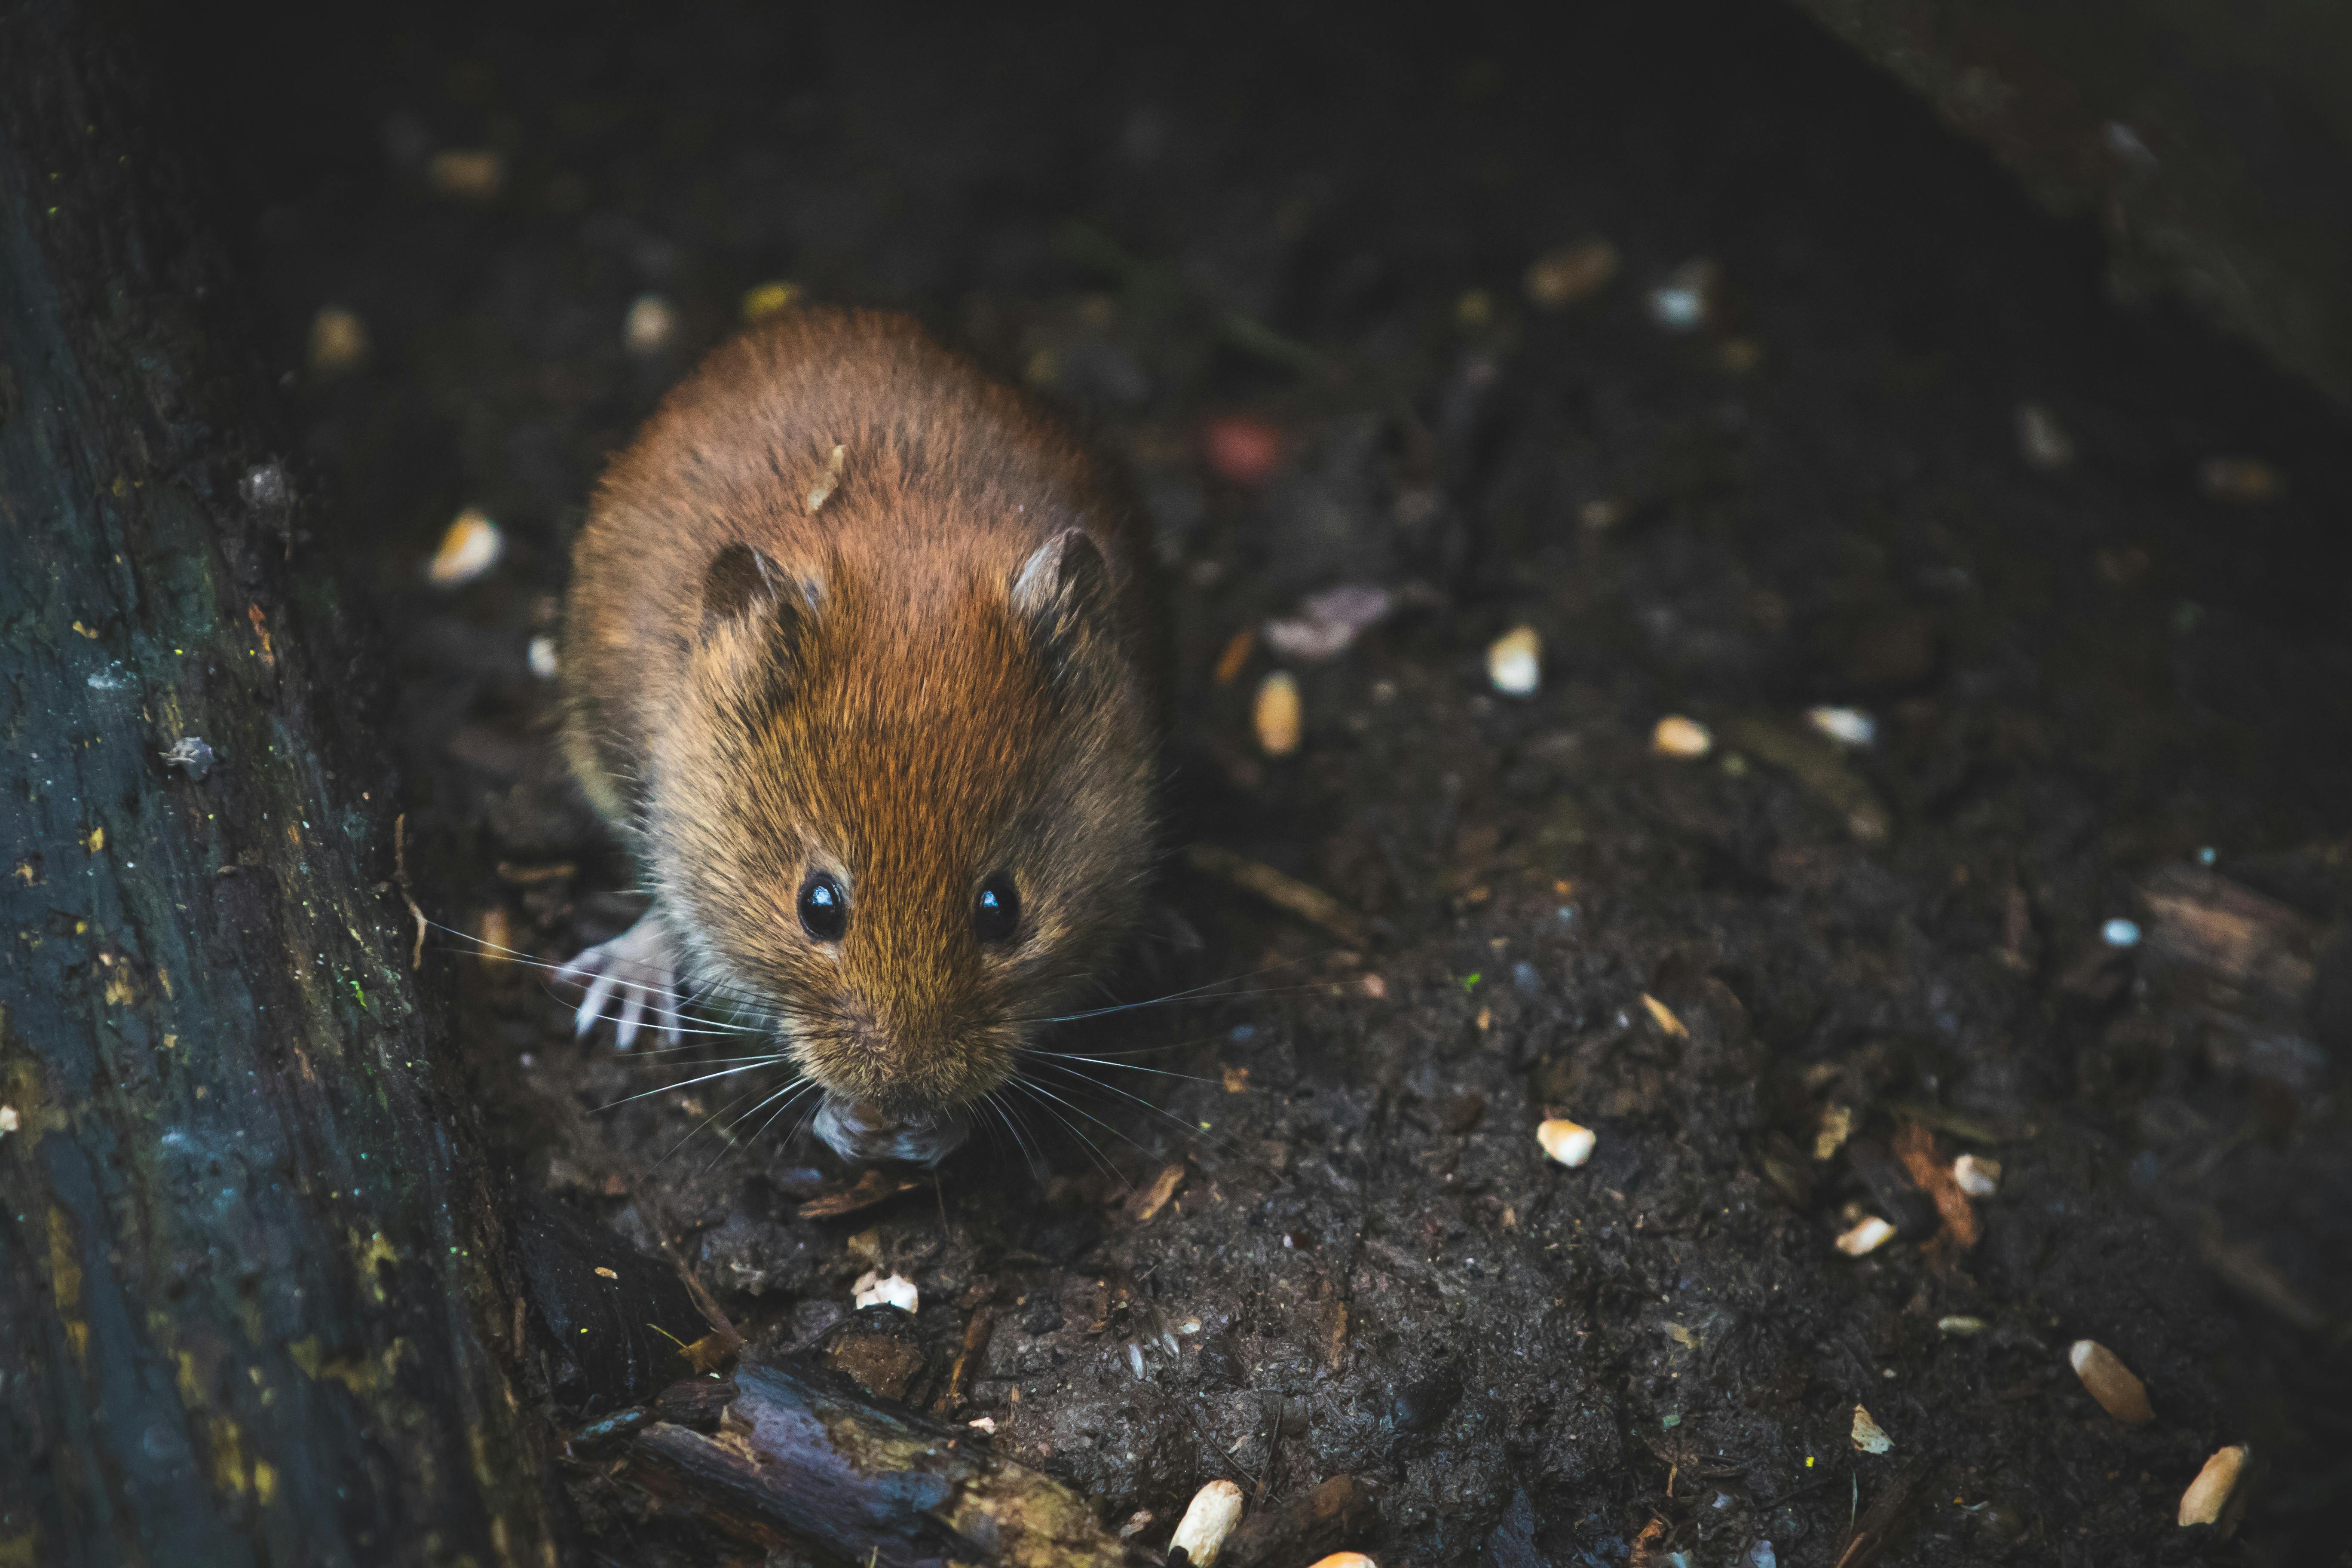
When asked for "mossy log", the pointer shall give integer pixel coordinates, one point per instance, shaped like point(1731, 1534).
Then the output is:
point(252, 1296)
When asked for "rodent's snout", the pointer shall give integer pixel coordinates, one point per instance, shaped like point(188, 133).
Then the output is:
point(862, 1131)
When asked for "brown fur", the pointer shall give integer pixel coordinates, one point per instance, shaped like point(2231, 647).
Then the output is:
point(873, 697)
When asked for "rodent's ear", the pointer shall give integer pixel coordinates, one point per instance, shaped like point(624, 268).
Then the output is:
point(1063, 595)
point(741, 582)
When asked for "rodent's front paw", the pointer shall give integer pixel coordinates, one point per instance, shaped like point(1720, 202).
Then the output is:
point(639, 965)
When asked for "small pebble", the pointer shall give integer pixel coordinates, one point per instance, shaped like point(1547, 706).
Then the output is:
point(1676, 736)
point(2244, 480)
point(543, 658)
point(1977, 1176)
point(9, 1120)
point(266, 488)
point(1566, 1141)
point(1277, 714)
point(471, 546)
point(2120, 933)
point(2042, 441)
point(1960, 1327)
point(1561, 278)
point(1515, 662)
point(339, 341)
point(1868, 1237)
point(2208, 1497)
point(2111, 1383)
point(470, 174)
point(1761, 1555)
point(763, 299)
point(651, 323)
point(1684, 301)
point(191, 755)
point(1241, 450)
point(1215, 1510)
point(1869, 1436)
point(1846, 726)
point(875, 1289)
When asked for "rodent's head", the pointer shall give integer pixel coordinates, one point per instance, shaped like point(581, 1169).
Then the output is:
point(904, 823)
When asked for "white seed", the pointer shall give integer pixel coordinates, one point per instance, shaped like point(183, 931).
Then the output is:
point(651, 323)
point(1215, 1510)
point(1676, 736)
point(2111, 1383)
point(1977, 1176)
point(2042, 441)
point(1566, 1141)
point(1515, 662)
point(983, 1424)
point(471, 546)
point(1846, 726)
point(1960, 1328)
point(1867, 1236)
point(1277, 714)
point(339, 341)
point(2208, 1497)
point(543, 658)
point(1687, 298)
point(873, 1288)
point(1869, 1436)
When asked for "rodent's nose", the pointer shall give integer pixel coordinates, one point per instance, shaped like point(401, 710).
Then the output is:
point(864, 1132)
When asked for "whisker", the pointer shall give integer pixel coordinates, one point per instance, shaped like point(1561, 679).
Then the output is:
point(1223, 1144)
point(689, 1083)
point(1185, 995)
point(1093, 1151)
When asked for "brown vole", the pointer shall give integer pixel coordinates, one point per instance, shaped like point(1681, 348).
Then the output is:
point(856, 659)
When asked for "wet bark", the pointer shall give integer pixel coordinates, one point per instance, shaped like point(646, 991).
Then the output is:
point(252, 1293)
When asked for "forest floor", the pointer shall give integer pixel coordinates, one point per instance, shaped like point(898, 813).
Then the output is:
point(1786, 983)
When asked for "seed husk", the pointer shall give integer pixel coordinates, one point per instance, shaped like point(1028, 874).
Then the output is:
point(2111, 1383)
point(1566, 1141)
point(1277, 714)
point(1977, 1176)
point(1869, 1436)
point(1515, 662)
point(1868, 1236)
point(1215, 1510)
point(1676, 736)
point(2209, 1496)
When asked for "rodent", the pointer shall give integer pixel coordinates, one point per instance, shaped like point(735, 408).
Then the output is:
point(857, 658)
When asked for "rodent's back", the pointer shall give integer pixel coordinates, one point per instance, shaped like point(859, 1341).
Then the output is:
point(943, 473)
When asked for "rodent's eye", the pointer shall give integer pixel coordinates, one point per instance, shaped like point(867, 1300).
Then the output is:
point(996, 912)
point(824, 907)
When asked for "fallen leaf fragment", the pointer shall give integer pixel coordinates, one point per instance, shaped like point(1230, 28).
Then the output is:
point(1869, 1436)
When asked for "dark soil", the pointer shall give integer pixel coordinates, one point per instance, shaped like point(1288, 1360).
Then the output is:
point(2083, 680)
